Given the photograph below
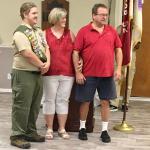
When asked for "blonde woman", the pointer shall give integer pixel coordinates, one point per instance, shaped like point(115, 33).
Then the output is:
point(59, 79)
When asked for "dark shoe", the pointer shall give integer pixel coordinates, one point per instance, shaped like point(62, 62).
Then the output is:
point(41, 106)
point(113, 108)
point(105, 137)
point(35, 138)
point(123, 108)
point(20, 142)
point(82, 134)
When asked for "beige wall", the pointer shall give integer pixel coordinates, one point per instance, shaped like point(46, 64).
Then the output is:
point(116, 13)
point(80, 14)
point(9, 15)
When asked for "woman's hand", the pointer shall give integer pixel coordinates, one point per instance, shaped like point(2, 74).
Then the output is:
point(80, 79)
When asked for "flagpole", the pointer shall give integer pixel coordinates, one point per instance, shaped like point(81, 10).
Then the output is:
point(124, 127)
point(126, 30)
point(126, 92)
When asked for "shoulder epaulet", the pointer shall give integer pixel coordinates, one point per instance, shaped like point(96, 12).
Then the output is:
point(36, 27)
point(22, 28)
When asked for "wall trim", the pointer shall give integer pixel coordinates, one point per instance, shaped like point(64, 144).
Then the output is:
point(143, 99)
point(5, 90)
point(135, 98)
point(6, 46)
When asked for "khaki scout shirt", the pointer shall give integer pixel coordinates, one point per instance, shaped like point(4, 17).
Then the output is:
point(20, 43)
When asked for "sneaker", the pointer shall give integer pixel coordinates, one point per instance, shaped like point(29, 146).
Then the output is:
point(113, 108)
point(19, 142)
point(123, 107)
point(105, 137)
point(82, 134)
point(35, 138)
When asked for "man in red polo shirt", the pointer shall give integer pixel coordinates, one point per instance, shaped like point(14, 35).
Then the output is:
point(97, 44)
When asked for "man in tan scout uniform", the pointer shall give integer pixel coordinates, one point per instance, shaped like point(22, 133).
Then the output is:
point(31, 60)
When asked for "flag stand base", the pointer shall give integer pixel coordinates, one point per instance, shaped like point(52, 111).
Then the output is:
point(123, 127)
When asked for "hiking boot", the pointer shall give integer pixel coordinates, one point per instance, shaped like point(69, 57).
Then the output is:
point(82, 134)
point(35, 138)
point(105, 137)
point(19, 142)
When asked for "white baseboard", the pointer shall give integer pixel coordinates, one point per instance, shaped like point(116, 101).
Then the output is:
point(135, 98)
point(146, 99)
point(5, 46)
point(5, 90)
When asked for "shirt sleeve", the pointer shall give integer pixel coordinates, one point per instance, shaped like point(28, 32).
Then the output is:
point(21, 41)
point(79, 41)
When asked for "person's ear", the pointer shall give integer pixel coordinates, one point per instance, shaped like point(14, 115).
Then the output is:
point(25, 15)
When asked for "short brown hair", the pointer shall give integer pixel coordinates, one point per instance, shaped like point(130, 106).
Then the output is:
point(25, 8)
point(96, 6)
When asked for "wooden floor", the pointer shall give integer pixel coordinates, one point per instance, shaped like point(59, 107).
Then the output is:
point(138, 116)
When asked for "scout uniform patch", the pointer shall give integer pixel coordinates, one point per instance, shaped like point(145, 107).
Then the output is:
point(34, 41)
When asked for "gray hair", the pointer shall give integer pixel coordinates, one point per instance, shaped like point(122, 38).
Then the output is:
point(56, 14)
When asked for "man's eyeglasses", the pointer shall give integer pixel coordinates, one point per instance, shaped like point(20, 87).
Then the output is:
point(102, 15)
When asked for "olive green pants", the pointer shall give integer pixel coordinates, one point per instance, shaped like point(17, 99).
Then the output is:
point(27, 90)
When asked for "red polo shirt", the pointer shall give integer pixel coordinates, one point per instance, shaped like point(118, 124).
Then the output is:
point(61, 54)
point(97, 50)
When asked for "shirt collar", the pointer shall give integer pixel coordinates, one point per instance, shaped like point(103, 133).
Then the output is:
point(106, 27)
point(30, 27)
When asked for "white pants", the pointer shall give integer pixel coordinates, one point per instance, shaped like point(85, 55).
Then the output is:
point(56, 94)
